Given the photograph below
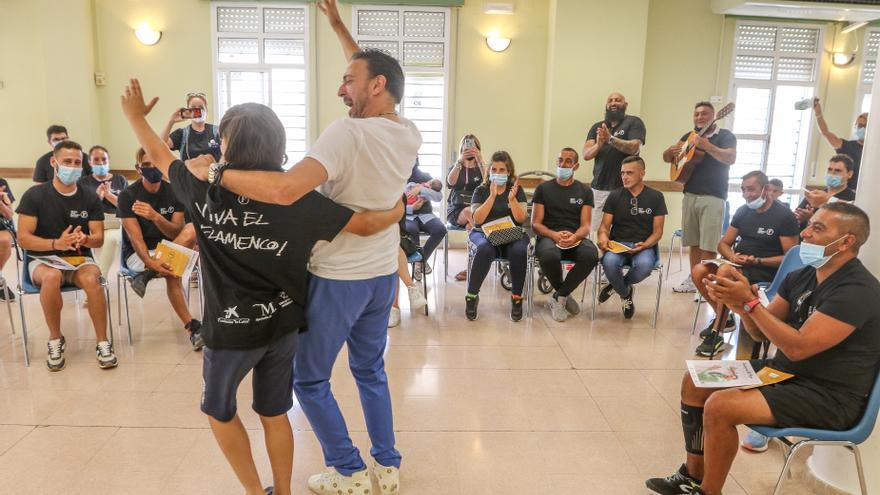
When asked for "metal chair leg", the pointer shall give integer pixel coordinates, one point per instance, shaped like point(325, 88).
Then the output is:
point(8, 293)
point(597, 276)
point(109, 311)
point(787, 467)
point(119, 297)
point(425, 285)
point(446, 255)
point(669, 259)
point(697, 314)
point(860, 469)
point(659, 292)
point(127, 311)
point(24, 339)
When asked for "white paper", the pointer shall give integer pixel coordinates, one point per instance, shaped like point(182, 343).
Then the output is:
point(722, 374)
point(59, 263)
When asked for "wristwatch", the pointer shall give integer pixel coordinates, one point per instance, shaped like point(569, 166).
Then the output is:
point(750, 306)
point(215, 170)
point(611, 140)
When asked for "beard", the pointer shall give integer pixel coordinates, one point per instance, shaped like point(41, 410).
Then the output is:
point(614, 115)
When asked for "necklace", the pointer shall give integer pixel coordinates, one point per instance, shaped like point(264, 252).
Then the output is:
point(386, 113)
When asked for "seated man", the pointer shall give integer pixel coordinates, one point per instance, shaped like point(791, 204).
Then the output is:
point(839, 172)
point(775, 188)
point(6, 200)
point(561, 218)
point(829, 344)
point(43, 170)
point(421, 190)
point(57, 218)
point(633, 216)
point(760, 233)
point(150, 212)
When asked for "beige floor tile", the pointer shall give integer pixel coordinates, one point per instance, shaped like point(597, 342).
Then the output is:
point(11, 434)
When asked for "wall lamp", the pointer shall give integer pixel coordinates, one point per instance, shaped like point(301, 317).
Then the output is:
point(146, 35)
point(842, 59)
point(497, 43)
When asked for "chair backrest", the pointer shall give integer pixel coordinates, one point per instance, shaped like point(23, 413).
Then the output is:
point(862, 430)
point(24, 275)
point(725, 222)
point(791, 262)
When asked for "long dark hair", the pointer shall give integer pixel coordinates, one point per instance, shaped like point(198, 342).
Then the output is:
point(254, 137)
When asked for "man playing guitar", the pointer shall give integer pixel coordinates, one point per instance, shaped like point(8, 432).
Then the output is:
point(705, 192)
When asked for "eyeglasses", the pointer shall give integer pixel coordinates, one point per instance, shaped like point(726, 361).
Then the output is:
point(196, 95)
point(634, 202)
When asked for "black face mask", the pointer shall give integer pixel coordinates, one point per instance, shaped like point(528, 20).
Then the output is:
point(615, 116)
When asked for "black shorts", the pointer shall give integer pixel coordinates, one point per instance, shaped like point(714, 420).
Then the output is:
point(802, 403)
point(224, 369)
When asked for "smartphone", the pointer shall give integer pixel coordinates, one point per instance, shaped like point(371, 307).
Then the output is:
point(190, 113)
point(470, 143)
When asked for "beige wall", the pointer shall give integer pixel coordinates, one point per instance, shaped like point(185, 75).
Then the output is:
point(539, 95)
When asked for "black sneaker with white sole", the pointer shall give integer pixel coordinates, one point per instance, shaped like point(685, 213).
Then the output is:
point(729, 326)
point(679, 483)
point(516, 307)
point(195, 334)
point(629, 307)
point(710, 345)
point(139, 282)
point(56, 361)
point(605, 293)
point(470, 306)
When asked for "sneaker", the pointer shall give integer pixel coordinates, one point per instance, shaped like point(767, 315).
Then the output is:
point(686, 286)
point(269, 490)
point(680, 483)
point(56, 361)
point(394, 317)
point(417, 272)
point(194, 280)
point(4, 291)
point(470, 306)
point(106, 356)
point(729, 326)
point(516, 310)
point(629, 307)
point(755, 442)
point(331, 482)
point(387, 477)
point(572, 306)
point(416, 298)
point(557, 309)
point(428, 268)
point(605, 293)
point(139, 282)
point(710, 345)
point(195, 334)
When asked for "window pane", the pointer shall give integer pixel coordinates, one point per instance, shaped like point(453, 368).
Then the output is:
point(753, 67)
point(238, 51)
point(749, 155)
point(752, 111)
point(761, 38)
point(389, 47)
point(289, 103)
point(798, 39)
point(288, 21)
point(284, 51)
point(866, 102)
point(248, 86)
point(381, 23)
point(872, 45)
point(789, 133)
point(869, 68)
point(238, 19)
point(421, 54)
point(796, 69)
point(424, 104)
point(421, 24)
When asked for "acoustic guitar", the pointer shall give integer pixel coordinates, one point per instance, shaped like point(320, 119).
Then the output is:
point(690, 157)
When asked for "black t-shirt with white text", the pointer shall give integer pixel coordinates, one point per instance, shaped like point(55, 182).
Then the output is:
point(5, 187)
point(500, 208)
point(117, 185)
point(199, 143)
point(853, 150)
point(562, 204)
point(710, 176)
point(163, 201)
point(634, 215)
point(44, 172)
point(851, 295)
point(55, 212)
point(606, 166)
point(254, 258)
point(759, 233)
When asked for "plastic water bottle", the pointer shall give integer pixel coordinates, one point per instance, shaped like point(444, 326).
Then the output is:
point(804, 104)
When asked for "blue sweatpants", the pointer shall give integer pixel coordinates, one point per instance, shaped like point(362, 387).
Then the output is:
point(353, 312)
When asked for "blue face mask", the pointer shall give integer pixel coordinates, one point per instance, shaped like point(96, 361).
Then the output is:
point(564, 173)
point(833, 181)
point(151, 174)
point(757, 203)
point(69, 175)
point(859, 134)
point(499, 179)
point(101, 170)
point(814, 254)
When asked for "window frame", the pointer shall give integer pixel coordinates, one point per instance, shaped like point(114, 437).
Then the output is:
point(865, 89)
point(217, 66)
point(410, 70)
point(772, 84)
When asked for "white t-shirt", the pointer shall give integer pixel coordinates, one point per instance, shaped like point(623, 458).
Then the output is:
point(368, 162)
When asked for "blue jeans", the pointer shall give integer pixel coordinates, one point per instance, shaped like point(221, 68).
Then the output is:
point(353, 312)
point(641, 264)
point(434, 228)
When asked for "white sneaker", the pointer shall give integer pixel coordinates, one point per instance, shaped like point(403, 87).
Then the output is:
point(416, 298)
point(557, 309)
point(331, 482)
point(388, 478)
point(56, 361)
point(417, 272)
point(686, 286)
point(105, 355)
point(428, 268)
point(394, 317)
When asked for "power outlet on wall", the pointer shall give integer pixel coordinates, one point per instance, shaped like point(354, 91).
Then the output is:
point(100, 79)
point(715, 100)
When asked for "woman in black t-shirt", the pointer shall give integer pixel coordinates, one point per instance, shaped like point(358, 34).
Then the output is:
point(199, 137)
point(464, 176)
point(107, 186)
point(499, 196)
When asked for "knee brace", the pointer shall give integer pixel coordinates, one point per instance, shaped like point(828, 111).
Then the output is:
point(692, 425)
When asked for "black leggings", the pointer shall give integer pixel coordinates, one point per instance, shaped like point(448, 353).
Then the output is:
point(484, 253)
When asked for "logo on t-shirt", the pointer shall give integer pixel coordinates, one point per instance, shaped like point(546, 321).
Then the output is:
point(576, 201)
point(619, 132)
point(230, 315)
point(267, 310)
point(166, 211)
point(640, 211)
point(79, 214)
point(762, 230)
point(243, 200)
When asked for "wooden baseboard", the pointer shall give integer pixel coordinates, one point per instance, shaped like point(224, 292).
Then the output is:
point(28, 173)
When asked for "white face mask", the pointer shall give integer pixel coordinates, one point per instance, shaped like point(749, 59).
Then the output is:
point(202, 118)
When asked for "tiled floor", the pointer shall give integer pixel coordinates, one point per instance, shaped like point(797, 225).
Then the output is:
point(487, 407)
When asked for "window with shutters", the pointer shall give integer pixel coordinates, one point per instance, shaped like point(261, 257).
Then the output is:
point(419, 39)
point(261, 55)
point(869, 67)
point(774, 66)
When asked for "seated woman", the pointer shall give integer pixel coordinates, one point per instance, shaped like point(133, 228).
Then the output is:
point(421, 190)
point(107, 186)
point(499, 196)
point(465, 175)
